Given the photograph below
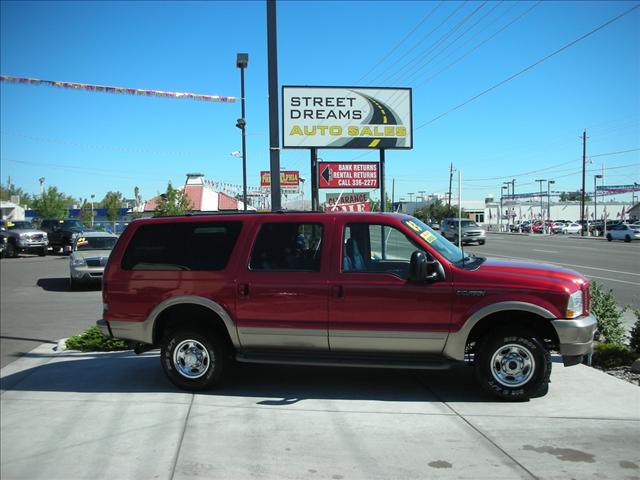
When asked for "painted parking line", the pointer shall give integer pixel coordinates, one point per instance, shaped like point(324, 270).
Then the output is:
point(613, 280)
point(545, 251)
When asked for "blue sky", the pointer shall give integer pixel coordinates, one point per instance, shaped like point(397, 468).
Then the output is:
point(89, 143)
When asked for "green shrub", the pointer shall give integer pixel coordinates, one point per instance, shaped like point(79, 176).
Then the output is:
point(92, 340)
point(634, 337)
point(611, 355)
point(609, 315)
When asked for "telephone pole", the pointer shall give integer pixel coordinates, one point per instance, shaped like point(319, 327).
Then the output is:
point(450, 180)
point(584, 166)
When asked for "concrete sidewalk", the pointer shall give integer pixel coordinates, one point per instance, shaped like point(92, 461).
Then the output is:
point(71, 415)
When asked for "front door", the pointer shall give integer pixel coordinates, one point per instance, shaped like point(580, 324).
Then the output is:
point(373, 307)
point(282, 295)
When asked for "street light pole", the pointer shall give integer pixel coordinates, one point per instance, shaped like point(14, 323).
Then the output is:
point(549, 202)
point(501, 207)
point(541, 207)
point(242, 60)
point(595, 204)
point(92, 197)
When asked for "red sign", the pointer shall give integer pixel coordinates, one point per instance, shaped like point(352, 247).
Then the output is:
point(348, 175)
point(287, 179)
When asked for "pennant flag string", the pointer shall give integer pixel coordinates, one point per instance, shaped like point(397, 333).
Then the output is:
point(120, 90)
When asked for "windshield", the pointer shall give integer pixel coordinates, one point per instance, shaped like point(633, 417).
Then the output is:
point(95, 243)
point(73, 224)
point(14, 225)
point(468, 223)
point(443, 246)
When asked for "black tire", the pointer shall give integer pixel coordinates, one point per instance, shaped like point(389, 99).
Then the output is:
point(627, 239)
point(12, 251)
point(42, 252)
point(73, 284)
point(210, 359)
point(513, 364)
point(609, 237)
point(455, 240)
point(481, 242)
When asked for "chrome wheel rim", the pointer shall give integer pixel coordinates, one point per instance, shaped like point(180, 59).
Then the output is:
point(512, 365)
point(191, 359)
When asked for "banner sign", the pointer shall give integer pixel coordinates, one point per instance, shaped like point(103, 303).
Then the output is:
point(346, 117)
point(348, 175)
point(349, 207)
point(346, 198)
point(613, 189)
point(288, 179)
point(121, 90)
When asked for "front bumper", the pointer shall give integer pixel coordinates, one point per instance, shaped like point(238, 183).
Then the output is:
point(87, 274)
point(576, 335)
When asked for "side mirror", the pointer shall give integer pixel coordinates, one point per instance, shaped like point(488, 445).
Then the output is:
point(421, 269)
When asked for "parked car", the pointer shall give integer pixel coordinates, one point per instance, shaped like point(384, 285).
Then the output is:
point(526, 226)
point(339, 289)
point(62, 232)
point(572, 228)
point(3, 243)
point(471, 231)
point(21, 237)
point(624, 231)
point(88, 258)
point(558, 227)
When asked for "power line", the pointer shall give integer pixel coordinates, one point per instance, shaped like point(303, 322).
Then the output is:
point(459, 59)
point(401, 57)
point(517, 74)
point(424, 19)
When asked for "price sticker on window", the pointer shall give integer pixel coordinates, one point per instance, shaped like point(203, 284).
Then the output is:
point(428, 237)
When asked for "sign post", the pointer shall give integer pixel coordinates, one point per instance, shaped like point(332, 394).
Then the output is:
point(314, 180)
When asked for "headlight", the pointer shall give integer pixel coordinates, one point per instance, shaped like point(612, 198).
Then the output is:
point(575, 305)
point(78, 262)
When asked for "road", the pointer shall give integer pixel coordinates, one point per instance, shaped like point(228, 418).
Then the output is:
point(37, 307)
point(614, 265)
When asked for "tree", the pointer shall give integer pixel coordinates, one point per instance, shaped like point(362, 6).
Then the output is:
point(85, 213)
point(112, 201)
point(52, 204)
point(436, 212)
point(173, 202)
point(138, 201)
point(573, 197)
point(10, 190)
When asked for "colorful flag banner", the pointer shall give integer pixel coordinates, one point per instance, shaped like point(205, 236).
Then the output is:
point(121, 90)
point(614, 189)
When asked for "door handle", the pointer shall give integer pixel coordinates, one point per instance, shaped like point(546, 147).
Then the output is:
point(243, 289)
point(337, 291)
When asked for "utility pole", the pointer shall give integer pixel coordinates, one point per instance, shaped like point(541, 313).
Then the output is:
point(274, 131)
point(450, 180)
point(549, 183)
point(459, 209)
point(393, 192)
point(595, 204)
point(584, 166)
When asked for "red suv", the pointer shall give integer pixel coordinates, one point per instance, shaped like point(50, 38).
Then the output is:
point(341, 289)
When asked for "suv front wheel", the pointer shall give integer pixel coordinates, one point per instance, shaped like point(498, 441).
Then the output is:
point(192, 360)
point(513, 365)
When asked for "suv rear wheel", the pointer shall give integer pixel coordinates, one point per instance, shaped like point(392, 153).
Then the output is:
point(192, 360)
point(513, 364)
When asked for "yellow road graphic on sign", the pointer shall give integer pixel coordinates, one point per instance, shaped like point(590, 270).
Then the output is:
point(375, 142)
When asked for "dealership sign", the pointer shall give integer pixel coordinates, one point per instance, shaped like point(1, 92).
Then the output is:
point(288, 179)
point(348, 175)
point(346, 117)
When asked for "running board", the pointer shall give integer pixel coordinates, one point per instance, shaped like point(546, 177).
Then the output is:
point(337, 360)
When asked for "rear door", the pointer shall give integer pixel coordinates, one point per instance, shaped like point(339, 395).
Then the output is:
point(282, 291)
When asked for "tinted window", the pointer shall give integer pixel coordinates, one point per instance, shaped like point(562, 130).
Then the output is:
point(181, 246)
point(287, 247)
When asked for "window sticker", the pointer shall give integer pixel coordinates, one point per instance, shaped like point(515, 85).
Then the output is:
point(428, 237)
point(413, 226)
point(10, 224)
